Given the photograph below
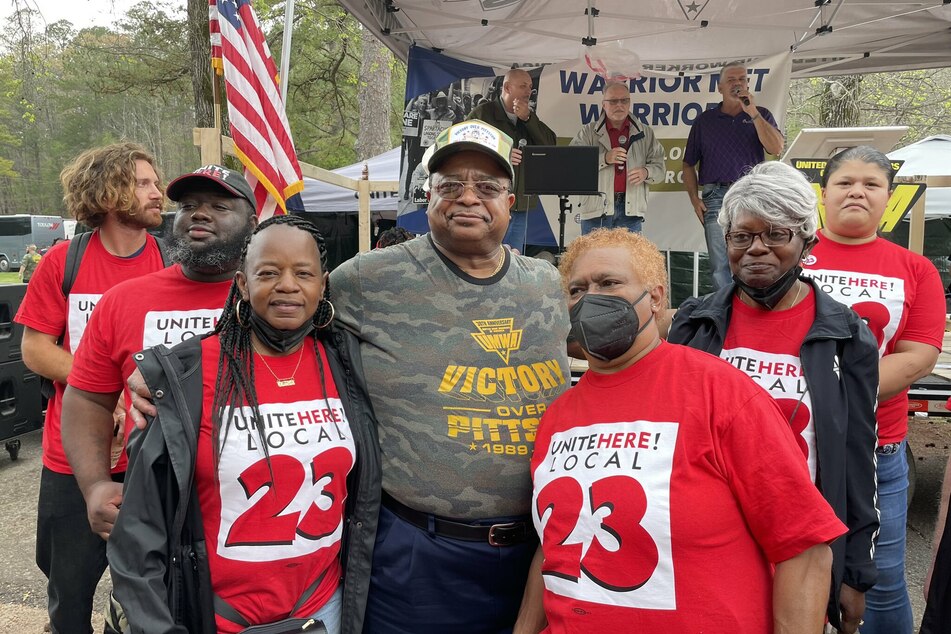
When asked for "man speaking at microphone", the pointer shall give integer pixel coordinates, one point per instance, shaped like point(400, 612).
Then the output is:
point(512, 114)
point(726, 141)
point(630, 159)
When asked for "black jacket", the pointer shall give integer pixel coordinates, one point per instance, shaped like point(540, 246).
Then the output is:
point(937, 618)
point(534, 131)
point(840, 362)
point(157, 552)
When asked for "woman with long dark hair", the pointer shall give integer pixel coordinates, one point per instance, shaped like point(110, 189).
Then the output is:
point(257, 484)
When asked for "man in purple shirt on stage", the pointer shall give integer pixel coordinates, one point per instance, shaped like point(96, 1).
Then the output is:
point(726, 141)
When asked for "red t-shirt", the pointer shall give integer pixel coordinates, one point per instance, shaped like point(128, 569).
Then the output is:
point(270, 536)
point(45, 309)
point(663, 493)
point(896, 292)
point(164, 307)
point(764, 345)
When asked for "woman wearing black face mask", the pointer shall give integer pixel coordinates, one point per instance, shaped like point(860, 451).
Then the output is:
point(812, 354)
point(666, 485)
point(258, 483)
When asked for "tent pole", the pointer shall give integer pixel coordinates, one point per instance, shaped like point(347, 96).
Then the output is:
point(285, 69)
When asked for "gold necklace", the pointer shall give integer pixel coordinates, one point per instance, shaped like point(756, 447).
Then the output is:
point(798, 293)
point(501, 262)
point(289, 381)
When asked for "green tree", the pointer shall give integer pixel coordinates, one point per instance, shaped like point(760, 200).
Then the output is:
point(146, 79)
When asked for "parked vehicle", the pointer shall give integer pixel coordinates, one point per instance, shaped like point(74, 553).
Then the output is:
point(19, 230)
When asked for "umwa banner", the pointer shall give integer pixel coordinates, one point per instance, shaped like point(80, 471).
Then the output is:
point(668, 97)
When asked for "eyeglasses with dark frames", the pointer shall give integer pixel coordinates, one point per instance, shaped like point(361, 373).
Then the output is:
point(484, 190)
point(771, 238)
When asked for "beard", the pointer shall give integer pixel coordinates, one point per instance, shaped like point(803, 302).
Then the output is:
point(140, 217)
point(219, 257)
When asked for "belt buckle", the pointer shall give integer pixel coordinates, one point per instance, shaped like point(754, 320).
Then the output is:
point(502, 539)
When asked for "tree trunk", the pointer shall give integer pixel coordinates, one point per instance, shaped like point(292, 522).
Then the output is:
point(374, 98)
point(839, 103)
point(199, 45)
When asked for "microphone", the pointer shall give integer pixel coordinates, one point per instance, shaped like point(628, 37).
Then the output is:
point(622, 142)
point(521, 144)
point(736, 93)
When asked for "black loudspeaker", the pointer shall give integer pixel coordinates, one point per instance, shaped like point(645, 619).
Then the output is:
point(20, 407)
point(10, 333)
point(340, 232)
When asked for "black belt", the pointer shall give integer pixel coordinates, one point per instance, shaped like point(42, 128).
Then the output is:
point(507, 534)
point(721, 184)
point(619, 197)
point(889, 449)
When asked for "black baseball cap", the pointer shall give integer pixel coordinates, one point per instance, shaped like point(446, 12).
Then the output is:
point(231, 181)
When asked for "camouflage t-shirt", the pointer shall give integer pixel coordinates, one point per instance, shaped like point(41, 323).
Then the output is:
point(460, 370)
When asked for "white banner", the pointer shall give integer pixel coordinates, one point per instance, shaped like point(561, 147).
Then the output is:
point(667, 97)
point(570, 96)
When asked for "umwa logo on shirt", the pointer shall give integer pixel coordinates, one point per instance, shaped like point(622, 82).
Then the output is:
point(498, 336)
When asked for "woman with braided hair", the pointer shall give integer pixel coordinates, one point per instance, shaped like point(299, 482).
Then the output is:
point(256, 486)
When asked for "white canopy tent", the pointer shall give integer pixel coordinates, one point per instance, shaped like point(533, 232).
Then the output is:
point(929, 157)
point(668, 39)
point(825, 36)
point(321, 197)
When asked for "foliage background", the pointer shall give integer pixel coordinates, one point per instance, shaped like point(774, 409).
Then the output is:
point(64, 89)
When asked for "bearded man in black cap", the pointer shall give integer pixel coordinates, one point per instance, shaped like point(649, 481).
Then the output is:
point(216, 214)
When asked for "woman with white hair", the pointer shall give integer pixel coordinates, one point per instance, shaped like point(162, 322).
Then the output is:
point(811, 353)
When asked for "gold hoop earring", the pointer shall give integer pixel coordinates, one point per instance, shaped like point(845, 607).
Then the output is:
point(237, 314)
point(329, 319)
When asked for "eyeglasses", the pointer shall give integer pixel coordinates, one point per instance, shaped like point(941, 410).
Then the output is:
point(618, 102)
point(770, 238)
point(484, 190)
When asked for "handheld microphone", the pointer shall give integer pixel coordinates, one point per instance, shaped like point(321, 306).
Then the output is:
point(736, 93)
point(622, 142)
point(521, 144)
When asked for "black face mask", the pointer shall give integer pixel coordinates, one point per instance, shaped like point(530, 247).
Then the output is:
point(605, 325)
point(770, 296)
point(280, 340)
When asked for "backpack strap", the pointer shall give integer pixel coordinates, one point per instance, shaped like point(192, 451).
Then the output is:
point(226, 611)
point(74, 255)
point(163, 251)
point(77, 247)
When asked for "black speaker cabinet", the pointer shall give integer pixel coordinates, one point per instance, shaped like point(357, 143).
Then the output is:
point(20, 408)
point(10, 333)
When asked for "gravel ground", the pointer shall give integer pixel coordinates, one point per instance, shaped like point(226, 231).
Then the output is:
point(23, 587)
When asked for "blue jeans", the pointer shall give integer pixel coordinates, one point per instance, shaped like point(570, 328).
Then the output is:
point(887, 606)
point(517, 232)
point(616, 221)
point(713, 232)
point(329, 614)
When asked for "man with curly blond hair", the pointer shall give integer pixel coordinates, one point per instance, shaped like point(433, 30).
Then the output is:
point(116, 191)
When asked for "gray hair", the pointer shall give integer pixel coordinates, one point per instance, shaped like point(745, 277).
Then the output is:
point(736, 64)
point(778, 194)
point(612, 83)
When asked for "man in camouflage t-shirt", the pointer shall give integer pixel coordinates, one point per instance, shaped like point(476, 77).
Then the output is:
point(463, 346)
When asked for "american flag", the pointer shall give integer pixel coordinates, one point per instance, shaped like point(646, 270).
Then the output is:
point(259, 128)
